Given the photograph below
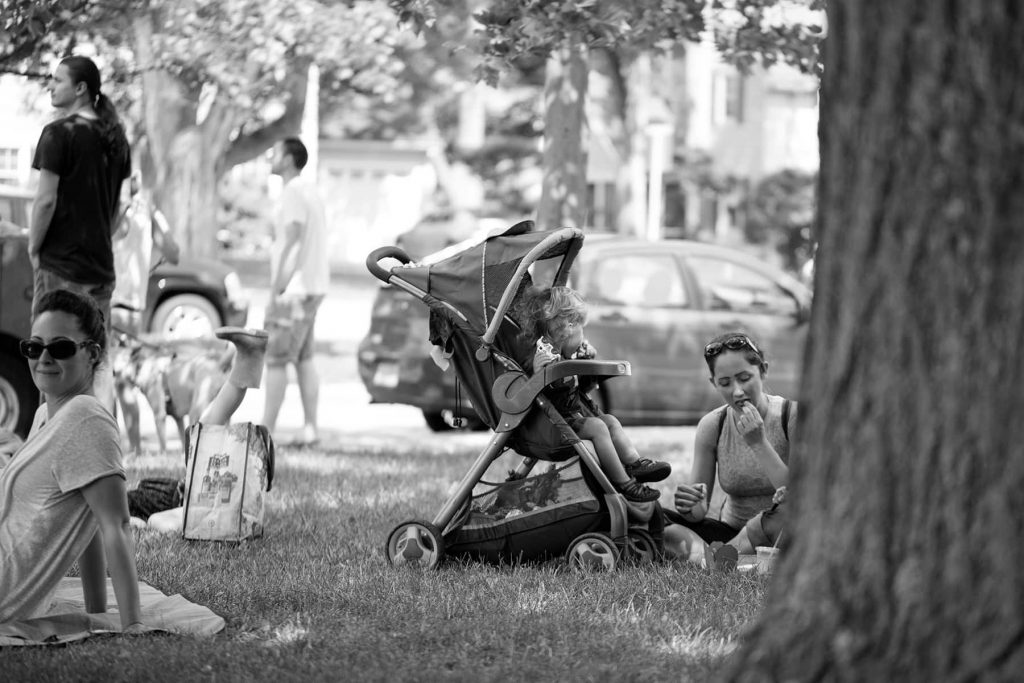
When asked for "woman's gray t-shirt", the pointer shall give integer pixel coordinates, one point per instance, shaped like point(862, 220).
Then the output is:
point(45, 523)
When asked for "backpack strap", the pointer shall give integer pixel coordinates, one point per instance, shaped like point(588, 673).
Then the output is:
point(785, 417)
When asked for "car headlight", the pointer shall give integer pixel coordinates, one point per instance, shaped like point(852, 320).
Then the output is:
point(233, 286)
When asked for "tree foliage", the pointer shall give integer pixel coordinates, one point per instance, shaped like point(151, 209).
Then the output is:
point(513, 32)
point(747, 32)
point(207, 85)
point(780, 211)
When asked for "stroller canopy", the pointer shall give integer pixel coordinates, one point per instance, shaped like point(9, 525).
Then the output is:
point(477, 284)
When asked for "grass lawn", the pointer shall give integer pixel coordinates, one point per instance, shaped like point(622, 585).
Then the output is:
point(316, 600)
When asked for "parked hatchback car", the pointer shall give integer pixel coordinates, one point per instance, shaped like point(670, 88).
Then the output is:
point(654, 304)
point(190, 299)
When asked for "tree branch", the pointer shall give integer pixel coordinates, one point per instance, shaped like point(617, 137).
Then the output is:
point(249, 146)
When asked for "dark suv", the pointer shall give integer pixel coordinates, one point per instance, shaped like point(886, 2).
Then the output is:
point(189, 299)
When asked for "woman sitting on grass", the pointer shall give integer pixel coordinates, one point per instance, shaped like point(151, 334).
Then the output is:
point(746, 442)
point(62, 495)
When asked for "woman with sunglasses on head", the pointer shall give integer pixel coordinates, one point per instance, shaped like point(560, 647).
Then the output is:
point(745, 443)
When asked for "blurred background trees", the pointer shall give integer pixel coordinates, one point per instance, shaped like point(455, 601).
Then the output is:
point(205, 86)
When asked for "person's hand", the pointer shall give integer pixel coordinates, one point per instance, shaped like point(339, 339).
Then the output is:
point(750, 424)
point(171, 252)
point(690, 501)
point(780, 496)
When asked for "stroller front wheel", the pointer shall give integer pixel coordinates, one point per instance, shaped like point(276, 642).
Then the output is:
point(593, 552)
point(415, 543)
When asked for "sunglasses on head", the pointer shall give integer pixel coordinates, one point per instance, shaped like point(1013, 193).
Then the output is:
point(736, 343)
point(61, 349)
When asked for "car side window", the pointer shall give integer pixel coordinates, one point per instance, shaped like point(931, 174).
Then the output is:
point(731, 286)
point(645, 280)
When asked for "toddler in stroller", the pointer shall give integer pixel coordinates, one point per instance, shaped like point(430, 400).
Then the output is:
point(476, 293)
point(555, 317)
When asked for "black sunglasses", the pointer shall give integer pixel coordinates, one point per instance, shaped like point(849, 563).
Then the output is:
point(62, 349)
point(736, 343)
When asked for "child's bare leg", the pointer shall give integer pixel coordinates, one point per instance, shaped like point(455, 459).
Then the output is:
point(246, 373)
point(623, 444)
point(596, 431)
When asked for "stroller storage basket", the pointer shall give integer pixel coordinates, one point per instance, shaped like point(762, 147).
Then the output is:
point(528, 519)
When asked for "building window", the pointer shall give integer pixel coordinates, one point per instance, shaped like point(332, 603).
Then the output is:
point(727, 97)
point(734, 97)
point(9, 164)
point(602, 206)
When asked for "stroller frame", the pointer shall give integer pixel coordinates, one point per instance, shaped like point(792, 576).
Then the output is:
point(514, 394)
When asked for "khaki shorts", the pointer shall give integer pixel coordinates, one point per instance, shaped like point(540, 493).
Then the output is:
point(290, 324)
point(47, 281)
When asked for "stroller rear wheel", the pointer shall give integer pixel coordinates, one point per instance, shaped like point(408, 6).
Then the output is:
point(641, 547)
point(415, 543)
point(593, 552)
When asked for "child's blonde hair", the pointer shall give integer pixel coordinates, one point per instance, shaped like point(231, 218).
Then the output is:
point(551, 311)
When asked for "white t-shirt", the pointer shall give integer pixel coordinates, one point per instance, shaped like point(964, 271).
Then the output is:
point(133, 254)
point(45, 523)
point(300, 203)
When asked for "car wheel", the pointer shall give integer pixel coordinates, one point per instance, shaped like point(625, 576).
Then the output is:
point(435, 420)
point(185, 316)
point(19, 397)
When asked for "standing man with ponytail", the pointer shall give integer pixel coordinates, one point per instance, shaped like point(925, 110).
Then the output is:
point(83, 160)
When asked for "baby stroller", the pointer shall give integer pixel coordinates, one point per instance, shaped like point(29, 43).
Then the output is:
point(571, 508)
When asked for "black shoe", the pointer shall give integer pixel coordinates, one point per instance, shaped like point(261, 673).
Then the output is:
point(636, 492)
point(645, 469)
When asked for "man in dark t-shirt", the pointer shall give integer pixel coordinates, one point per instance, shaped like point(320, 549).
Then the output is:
point(78, 243)
point(83, 159)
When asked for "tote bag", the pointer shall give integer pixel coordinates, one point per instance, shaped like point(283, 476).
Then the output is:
point(227, 472)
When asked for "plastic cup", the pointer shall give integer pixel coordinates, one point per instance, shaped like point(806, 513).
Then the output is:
point(766, 557)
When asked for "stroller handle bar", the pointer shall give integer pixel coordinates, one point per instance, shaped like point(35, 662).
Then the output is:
point(373, 261)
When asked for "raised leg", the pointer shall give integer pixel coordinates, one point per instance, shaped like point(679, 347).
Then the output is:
point(246, 373)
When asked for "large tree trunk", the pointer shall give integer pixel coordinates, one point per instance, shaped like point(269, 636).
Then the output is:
point(194, 167)
point(618, 111)
point(563, 201)
point(907, 483)
point(189, 136)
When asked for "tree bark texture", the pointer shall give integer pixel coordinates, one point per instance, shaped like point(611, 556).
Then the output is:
point(191, 146)
point(907, 481)
point(563, 201)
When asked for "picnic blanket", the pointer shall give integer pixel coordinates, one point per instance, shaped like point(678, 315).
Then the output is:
point(67, 620)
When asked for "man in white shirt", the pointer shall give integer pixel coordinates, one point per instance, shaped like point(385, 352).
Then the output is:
point(299, 277)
